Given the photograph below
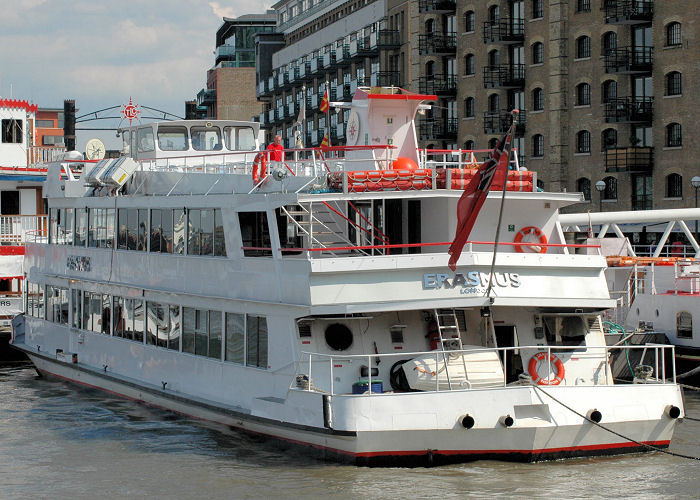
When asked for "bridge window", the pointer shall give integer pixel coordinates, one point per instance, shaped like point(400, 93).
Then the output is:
point(206, 138)
point(12, 131)
point(172, 138)
point(255, 234)
point(239, 138)
point(144, 140)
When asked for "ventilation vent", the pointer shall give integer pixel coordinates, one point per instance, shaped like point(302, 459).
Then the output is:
point(304, 329)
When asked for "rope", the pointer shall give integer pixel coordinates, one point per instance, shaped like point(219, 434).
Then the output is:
point(654, 448)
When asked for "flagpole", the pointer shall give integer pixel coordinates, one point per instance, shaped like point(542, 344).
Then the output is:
point(328, 115)
point(500, 212)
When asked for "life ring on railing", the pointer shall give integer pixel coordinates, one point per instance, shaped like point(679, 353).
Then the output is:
point(526, 231)
point(541, 356)
point(259, 168)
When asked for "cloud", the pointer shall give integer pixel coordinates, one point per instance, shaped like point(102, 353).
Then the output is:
point(220, 11)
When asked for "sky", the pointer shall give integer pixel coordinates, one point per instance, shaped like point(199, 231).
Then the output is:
point(101, 52)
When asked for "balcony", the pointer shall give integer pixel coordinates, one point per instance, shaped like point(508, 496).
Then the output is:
point(430, 129)
point(206, 97)
point(337, 133)
point(628, 11)
point(385, 79)
point(328, 59)
point(342, 56)
point(629, 110)
point(437, 44)
point(264, 88)
point(292, 74)
point(504, 76)
point(504, 31)
point(438, 84)
point(629, 60)
point(315, 65)
point(634, 160)
point(642, 202)
point(437, 6)
point(18, 229)
point(305, 72)
point(385, 39)
point(499, 123)
point(282, 79)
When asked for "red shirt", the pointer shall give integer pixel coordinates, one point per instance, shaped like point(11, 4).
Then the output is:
point(277, 153)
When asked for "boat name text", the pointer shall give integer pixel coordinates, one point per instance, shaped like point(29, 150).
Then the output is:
point(467, 281)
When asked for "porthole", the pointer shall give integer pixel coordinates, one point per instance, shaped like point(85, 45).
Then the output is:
point(637, 311)
point(657, 313)
point(338, 336)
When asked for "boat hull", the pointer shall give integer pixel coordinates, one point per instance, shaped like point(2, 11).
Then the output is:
point(405, 441)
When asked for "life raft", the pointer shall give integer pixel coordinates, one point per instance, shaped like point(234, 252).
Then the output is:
point(558, 365)
point(259, 168)
point(531, 247)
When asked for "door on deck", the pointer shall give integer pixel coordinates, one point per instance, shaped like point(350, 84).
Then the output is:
point(505, 337)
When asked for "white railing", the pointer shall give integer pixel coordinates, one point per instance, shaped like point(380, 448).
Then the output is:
point(325, 367)
point(18, 229)
point(43, 154)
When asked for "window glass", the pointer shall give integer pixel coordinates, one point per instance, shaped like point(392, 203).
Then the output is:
point(138, 319)
point(256, 341)
point(235, 338)
point(201, 331)
point(87, 318)
point(174, 332)
point(166, 231)
point(684, 325)
point(255, 234)
point(219, 240)
point(172, 138)
point(132, 228)
point(76, 301)
point(144, 140)
point(11, 131)
point(68, 227)
point(206, 138)
point(214, 334)
point(179, 221)
point(81, 225)
point(118, 323)
point(155, 230)
point(188, 326)
point(143, 229)
point(194, 232)
point(207, 232)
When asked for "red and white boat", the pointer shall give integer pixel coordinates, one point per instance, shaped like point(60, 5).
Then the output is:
point(309, 299)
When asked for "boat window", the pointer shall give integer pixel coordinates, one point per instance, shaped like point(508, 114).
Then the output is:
point(144, 140)
point(206, 138)
point(194, 232)
point(219, 239)
point(256, 341)
point(35, 300)
point(12, 131)
point(57, 304)
point(76, 300)
point(288, 228)
point(106, 315)
point(128, 318)
point(118, 321)
point(215, 334)
point(239, 138)
point(205, 233)
point(565, 330)
point(68, 227)
point(137, 313)
point(174, 333)
point(179, 231)
point(157, 324)
point(172, 138)
point(235, 338)
point(201, 332)
point(126, 143)
point(207, 236)
point(81, 220)
point(684, 325)
point(255, 234)
point(101, 228)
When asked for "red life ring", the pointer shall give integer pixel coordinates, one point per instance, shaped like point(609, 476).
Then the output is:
point(541, 248)
point(532, 369)
point(259, 168)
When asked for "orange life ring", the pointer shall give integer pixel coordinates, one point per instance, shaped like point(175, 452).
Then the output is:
point(259, 168)
point(532, 369)
point(541, 248)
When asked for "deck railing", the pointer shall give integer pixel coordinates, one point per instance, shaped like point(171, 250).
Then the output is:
point(318, 372)
point(17, 229)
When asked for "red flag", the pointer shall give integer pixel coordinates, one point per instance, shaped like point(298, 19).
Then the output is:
point(492, 172)
point(324, 102)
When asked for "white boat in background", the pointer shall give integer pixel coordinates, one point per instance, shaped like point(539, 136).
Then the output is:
point(657, 288)
point(309, 299)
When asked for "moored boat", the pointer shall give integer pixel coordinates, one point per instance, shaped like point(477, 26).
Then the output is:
point(201, 275)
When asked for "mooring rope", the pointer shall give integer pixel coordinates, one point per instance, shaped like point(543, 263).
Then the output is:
point(654, 448)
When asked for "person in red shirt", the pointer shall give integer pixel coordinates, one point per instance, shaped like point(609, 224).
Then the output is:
point(276, 149)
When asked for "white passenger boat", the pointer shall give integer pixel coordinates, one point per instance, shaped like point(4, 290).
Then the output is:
point(314, 304)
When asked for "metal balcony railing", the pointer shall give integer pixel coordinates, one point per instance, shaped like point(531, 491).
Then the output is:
point(437, 6)
point(629, 60)
point(629, 110)
point(504, 31)
point(438, 84)
point(437, 43)
point(628, 11)
point(631, 160)
point(385, 79)
point(504, 76)
point(438, 128)
point(499, 122)
point(206, 97)
point(387, 39)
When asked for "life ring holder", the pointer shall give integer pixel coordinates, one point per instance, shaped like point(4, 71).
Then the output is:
point(541, 248)
point(541, 356)
point(259, 168)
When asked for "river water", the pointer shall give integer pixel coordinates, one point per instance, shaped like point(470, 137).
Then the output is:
point(62, 441)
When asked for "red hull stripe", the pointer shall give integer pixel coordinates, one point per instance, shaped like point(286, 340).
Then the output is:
point(11, 250)
point(406, 453)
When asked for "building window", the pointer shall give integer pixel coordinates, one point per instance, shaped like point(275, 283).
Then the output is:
point(610, 191)
point(674, 186)
point(469, 145)
point(537, 53)
point(429, 26)
point(673, 35)
point(583, 185)
point(583, 142)
point(583, 5)
point(11, 131)
point(538, 145)
point(469, 107)
point(538, 99)
point(673, 83)
point(609, 42)
point(537, 9)
point(583, 94)
point(494, 103)
point(469, 64)
point(583, 47)
point(674, 137)
point(684, 325)
point(609, 91)
point(494, 58)
point(494, 15)
point(608, 138)
point(469, 21)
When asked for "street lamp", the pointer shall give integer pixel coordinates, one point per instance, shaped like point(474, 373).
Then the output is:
point(695, 182)
point(600, 187)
